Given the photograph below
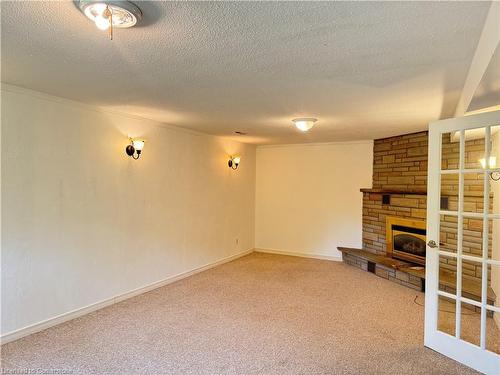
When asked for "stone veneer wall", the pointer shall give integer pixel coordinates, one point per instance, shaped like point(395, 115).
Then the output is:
point(400, 163)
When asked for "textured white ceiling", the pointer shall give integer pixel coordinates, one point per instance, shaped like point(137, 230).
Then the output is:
point(364, 69)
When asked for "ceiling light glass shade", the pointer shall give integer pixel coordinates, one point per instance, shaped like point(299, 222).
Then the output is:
point(101, 22)
point(304, 124)
point(97, 8)
point(125, 13)
point(138, 144)
point(491, 164)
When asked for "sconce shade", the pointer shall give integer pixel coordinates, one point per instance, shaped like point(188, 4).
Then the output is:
point(138, 144)
point(492, 163)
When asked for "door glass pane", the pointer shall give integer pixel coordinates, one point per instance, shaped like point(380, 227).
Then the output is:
point(450, 150)
point(446, 315)
point(474, 148)
point(493, 286)
point(447, 274)
point(449, 191)
point(448, 233)
point(494, 176)
point(493, 236)
point(494, 193)
point(472, 244)
point(494, 244)
point(473, 192)
point(493, 332)
point(471, 323)
point(471, 279)
point(493, 318)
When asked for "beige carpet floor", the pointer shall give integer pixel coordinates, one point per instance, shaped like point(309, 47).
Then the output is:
point(260, 314)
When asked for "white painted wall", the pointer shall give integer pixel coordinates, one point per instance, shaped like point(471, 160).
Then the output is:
point(495, 188)
point(83, 222)
point(308, 199)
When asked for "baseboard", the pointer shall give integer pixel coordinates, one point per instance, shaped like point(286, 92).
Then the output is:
point(37, 327)
point(302, 255)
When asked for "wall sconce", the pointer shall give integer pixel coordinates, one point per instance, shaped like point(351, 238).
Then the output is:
point(234, 162)
point(495, 176)
point(135, 147)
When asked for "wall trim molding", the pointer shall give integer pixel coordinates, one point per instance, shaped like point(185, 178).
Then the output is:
point(70, 315)
point(94, 108)
point(298, 254)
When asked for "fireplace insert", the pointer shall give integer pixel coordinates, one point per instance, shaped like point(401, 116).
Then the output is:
point(406, 239)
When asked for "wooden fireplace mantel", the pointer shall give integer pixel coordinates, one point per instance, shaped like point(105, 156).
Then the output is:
point(416, 192)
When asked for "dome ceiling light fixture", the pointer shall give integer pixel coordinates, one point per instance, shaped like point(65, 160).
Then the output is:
point(110, 14)
point(304, 124)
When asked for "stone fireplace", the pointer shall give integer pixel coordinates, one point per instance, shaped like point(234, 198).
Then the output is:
point(394, 213)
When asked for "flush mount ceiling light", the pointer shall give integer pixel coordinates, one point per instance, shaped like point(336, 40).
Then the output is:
point(110, 14)
point(304, 124)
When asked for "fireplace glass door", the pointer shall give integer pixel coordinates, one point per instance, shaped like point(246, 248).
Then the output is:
point(462, 312)
point(408, 244)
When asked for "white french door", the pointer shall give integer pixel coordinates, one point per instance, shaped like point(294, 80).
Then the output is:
point(462, 319)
